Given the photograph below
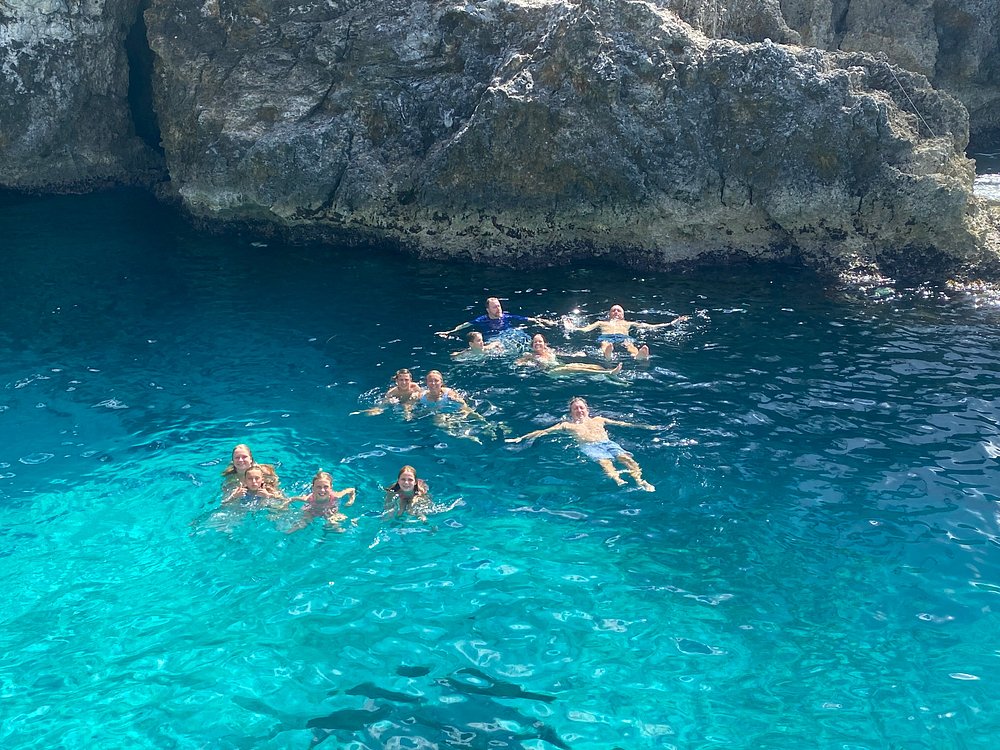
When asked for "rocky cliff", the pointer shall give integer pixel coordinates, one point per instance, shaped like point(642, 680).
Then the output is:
point(65, 122)
point(955, 43)
point(534, 131)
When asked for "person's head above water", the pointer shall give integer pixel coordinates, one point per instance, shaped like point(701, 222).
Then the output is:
point(403, 378)
point(322, 484)
point(435, 381)
point(494, 308)
point(475, 339)
point(617, 312)
point(406, 480)
point(254, 479)
point(242, 459)
point(578, 409)
point(538, 344)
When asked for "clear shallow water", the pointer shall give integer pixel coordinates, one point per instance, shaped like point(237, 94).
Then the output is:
point(819, 566)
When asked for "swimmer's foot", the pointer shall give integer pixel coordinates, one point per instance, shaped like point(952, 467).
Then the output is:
point(643, 352)
point(607, 349)
point(644, 485)
point(618, 480)
point(615, 370)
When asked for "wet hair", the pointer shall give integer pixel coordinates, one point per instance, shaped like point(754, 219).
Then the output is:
point(539, 336)
point(434, 372)
point(473, 335)
point(580, 399)
point(492, 299)
point(322, 475)
point(419, 485)
point(270, 475)
point(256, 469)
point(231, 469)
point(402, 371)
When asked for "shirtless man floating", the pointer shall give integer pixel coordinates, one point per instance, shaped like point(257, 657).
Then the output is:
point(593, 439)
point(616, 330)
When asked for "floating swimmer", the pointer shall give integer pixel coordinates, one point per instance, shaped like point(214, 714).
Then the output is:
point(478, 347)
point(496, 321)
point(616, 330)
point(592, 437)
point(546, 358)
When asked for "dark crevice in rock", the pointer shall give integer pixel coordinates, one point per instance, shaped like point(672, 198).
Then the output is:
point(838, 20)
point(140, 82)
point(954, 30)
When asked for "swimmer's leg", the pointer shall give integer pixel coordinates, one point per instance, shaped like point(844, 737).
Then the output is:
point(641, 352)
point(607, 349)
point(611, 471)
point(633, 468)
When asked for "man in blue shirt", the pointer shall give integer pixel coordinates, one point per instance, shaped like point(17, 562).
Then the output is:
point(496, 321)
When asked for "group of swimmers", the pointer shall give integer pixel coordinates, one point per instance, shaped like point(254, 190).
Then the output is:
point(487, 337)
point(255, 486)
point(250, 484)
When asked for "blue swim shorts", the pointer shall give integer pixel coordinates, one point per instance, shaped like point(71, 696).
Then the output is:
point(606, 449)
point(615, 338)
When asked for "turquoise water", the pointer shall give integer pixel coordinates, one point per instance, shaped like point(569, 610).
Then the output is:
point(819, 565)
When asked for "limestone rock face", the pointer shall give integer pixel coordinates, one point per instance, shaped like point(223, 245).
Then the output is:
point(955, 43)
point(64, 116)
point(539, 130)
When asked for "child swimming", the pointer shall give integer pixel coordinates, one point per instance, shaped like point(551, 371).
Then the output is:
point(323, 502)
point(242, 459)
point(407, 496)
point(478, 348)
point(254, 491)
point(410, 496)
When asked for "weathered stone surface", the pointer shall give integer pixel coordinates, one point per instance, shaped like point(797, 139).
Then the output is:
point(955, 43)
point(527, 130)
point(64, 118)
point(538, 131)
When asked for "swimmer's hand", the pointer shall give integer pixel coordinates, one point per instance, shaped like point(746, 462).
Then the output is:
point(514, 440)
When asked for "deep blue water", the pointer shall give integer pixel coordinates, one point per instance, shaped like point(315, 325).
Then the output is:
point(819, 565)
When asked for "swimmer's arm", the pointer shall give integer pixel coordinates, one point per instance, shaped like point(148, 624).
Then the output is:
point(652, 326)
point(588, 327)
point(456, 329)
point(537, 433)
point(620, 423)
point(348, 491)
point(544, 321)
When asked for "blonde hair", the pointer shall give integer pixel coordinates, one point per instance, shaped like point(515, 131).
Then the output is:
point(323, 475)
point(256, 470)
